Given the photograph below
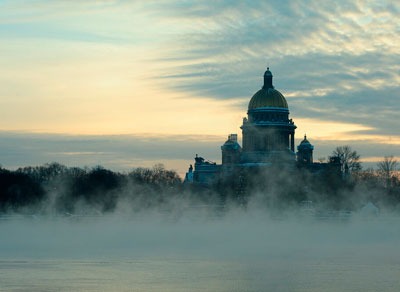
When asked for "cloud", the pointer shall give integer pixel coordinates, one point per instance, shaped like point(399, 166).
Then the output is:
point(91, 67)
point(336, 62)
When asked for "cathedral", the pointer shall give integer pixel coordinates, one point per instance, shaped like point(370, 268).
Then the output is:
point(268, 140)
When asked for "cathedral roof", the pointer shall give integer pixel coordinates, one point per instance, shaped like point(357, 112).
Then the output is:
point(305, 144)
point(268, 96)
point(231, 143)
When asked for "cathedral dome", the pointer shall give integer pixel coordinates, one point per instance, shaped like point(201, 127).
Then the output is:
point(305, 144)
point(268, 96)
point(231, 143)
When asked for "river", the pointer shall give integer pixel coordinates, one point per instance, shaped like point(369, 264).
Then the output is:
point(239, 252)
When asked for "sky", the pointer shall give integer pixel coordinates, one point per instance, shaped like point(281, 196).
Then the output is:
point(133, 83)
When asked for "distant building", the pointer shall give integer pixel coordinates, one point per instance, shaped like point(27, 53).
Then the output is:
point(268, 139)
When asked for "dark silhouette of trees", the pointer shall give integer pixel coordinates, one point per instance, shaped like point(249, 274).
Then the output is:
point(18, 190)
point(152, 187)
point(387, 169)
point(44, 173)
point(157, 177)
point(71, 190)
point(349, 158)
point(56, 188)
point(98, 188)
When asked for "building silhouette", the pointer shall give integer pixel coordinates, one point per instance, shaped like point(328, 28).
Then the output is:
point(268, 135)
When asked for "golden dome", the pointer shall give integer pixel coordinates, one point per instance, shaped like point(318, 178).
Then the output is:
point(267, 97)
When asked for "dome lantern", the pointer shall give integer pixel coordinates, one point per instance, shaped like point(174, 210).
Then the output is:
point(268, 79)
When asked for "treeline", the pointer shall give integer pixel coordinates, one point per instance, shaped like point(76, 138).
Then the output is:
point(338, 182)
point(357, 186)
point(380, 185)
point(56, 188)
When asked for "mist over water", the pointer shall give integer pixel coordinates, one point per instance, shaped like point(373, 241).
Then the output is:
point(199, 249)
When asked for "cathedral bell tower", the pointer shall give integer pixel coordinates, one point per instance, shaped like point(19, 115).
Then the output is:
point(305, 152)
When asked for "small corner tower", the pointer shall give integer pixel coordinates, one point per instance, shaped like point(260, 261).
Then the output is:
point(305, 152)
point(231, 150)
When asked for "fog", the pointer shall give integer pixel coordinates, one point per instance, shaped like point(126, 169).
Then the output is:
point(230, 249)
point(95, 230)
point(235, 235)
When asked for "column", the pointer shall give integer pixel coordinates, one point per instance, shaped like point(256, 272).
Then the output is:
point(292, 141)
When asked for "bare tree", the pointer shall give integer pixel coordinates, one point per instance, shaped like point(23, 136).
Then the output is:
point(387, 168)
point(349, 158)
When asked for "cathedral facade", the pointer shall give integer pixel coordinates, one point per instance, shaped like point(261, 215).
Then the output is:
point(268, 140)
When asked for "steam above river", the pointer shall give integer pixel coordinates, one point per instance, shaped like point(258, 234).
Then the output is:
point(195, 252)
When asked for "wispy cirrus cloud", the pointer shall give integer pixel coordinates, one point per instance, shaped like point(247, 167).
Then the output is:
point(192, 66)
point(342, 57)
